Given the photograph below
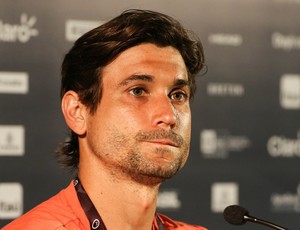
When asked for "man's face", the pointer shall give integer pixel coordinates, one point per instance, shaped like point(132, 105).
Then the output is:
point(141, 128)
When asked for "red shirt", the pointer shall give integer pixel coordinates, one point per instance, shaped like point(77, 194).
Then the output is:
point(64, 211)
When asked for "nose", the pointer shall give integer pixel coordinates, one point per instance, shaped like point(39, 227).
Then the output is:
point(164, 114)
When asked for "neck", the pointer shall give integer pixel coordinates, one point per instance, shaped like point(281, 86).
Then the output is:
point(121, 202)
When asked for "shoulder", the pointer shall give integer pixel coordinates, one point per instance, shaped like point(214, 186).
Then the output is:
point(54, 213)
point(172, 224)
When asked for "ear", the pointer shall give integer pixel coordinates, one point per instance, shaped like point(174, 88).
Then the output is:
point(74, 112)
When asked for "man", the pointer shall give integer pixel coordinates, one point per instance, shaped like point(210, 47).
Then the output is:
point(126, 90)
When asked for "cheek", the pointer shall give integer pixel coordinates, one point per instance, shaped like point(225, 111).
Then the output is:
point(134, 118)
point(114, 117)
point(185, 121)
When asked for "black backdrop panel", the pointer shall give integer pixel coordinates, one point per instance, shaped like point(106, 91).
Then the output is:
point(246, 113)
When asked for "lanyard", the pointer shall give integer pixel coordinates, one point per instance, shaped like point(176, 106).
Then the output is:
point(96, 223)
point(90, 211)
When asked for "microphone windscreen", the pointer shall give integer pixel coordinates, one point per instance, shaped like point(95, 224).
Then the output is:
point(234, 214)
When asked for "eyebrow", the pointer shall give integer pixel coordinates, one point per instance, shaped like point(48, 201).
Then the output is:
point(150, 78)
point(182, 82)
point(137, 77)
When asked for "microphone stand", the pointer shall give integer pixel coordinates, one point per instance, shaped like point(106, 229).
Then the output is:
point(263, 222)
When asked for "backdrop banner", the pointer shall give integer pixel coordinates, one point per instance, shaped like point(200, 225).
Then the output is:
point(245, 145)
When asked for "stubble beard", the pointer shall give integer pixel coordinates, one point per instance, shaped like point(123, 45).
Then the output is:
point(146, 171)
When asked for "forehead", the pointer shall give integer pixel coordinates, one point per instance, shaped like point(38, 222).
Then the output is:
point(147, 59)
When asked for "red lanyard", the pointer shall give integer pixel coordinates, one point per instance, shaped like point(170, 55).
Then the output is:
point(90, 211)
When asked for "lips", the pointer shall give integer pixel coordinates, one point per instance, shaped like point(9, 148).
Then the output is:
point(162, 137)
point(164, 142)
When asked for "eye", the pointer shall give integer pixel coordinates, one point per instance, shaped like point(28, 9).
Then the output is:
point(138, 91)
point(179, 96)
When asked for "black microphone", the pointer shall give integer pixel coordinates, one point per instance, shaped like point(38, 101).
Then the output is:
point(237, 215)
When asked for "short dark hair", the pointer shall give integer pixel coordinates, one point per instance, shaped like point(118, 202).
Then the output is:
point(83, 64)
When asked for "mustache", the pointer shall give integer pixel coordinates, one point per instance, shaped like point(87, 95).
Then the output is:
point(160, 134)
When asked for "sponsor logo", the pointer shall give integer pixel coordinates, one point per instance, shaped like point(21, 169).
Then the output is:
point(11, 200)
point(225, 89)
point(76, 28)
point(12, 140)
point(290, 91)
point(19, 32)
point(224, 39)
point(285, 42)
point(168, 200)
point(280, 146)
point(14, 82)
point(219, 143)
point(223, 194)
point(286, 202)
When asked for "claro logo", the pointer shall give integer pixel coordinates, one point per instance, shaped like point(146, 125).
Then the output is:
point(18, 32)
point(280, 146)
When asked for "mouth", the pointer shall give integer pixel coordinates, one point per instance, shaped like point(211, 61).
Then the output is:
point(161, 138)
point(164, 142)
